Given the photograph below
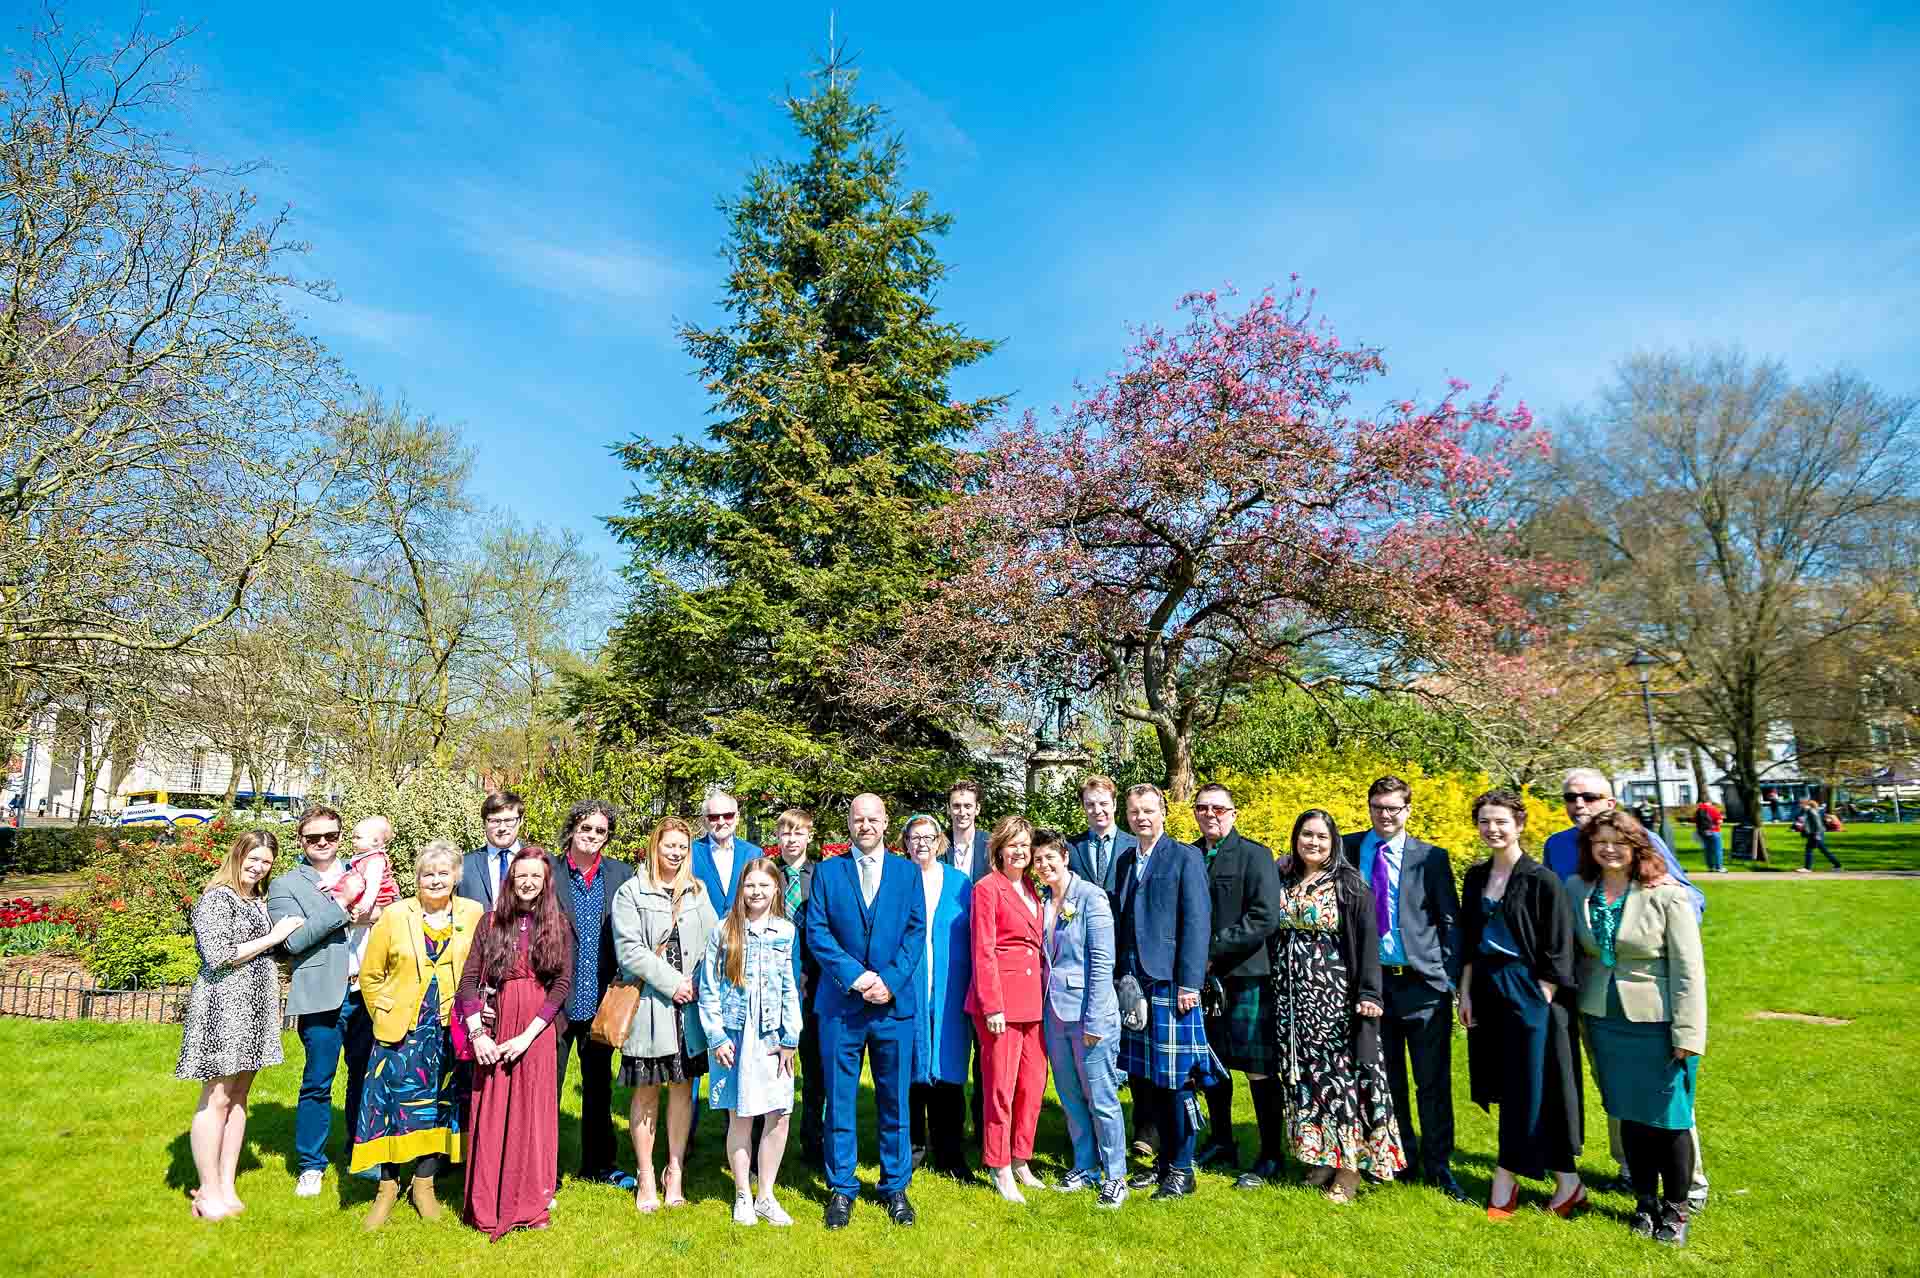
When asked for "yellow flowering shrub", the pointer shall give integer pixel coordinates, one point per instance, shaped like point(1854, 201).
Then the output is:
point(1442, 815)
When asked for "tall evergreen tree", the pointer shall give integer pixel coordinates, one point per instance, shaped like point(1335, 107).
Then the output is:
point(761, 558)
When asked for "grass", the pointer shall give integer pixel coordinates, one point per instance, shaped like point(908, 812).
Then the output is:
point(1812, 1138)
point(1859, 847)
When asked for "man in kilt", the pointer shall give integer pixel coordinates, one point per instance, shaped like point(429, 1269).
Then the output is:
point(1161, 933)
point(1244, 886)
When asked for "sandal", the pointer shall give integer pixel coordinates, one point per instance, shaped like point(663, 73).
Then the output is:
point(1345, 1188)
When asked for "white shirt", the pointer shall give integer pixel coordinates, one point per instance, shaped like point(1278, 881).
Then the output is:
point(963, 853)
point(493, 866)
point(722, 860)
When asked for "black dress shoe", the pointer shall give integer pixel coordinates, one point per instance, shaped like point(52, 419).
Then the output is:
point(1443, 1181)
point(1175, 1184)
point(1144, 1179)
point(1217, 1154)
point(839, 1210)
point(1258, 1176)
point(1621, 1184)
point(899, 1210)
point(1646, 1215)
point(1672, 1229)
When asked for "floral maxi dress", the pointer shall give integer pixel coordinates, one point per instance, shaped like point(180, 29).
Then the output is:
point(1339, 1112)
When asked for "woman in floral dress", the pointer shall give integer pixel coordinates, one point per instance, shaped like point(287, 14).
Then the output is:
point(233, 1014)
point(1327, 997)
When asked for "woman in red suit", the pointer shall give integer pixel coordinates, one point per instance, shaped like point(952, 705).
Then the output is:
point(1005, 1005)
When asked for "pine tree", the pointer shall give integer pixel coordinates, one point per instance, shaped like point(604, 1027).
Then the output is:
point(760, 558)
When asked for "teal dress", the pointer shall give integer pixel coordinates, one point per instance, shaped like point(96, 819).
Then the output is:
point(1640, 1082)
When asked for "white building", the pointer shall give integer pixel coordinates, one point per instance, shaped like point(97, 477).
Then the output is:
point(49, 768)
point(1780, 772)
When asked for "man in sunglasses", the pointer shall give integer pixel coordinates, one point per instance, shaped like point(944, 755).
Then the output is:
point(329, 1013)
point(1587, 793)
point(718, 856)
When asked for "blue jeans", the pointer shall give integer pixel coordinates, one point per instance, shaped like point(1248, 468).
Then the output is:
point(1088, 1082)
point(323, 1036)
point(1710, 844)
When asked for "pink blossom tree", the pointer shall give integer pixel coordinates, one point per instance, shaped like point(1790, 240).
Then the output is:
point(1217, 512)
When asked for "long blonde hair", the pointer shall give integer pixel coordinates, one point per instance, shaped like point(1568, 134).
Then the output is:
point(228, 875)
point(684, 880)
point(733, 931)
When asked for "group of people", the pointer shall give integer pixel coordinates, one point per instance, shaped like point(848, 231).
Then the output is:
point(1117, 959)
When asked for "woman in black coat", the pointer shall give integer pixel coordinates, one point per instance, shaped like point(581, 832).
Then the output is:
point(1517, 1002)
point(1327, 1005)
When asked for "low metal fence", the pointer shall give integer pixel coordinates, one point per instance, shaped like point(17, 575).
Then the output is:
point(74, 996)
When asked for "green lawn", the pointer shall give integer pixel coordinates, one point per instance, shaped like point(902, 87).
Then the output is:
point(1859, 847)
point(1811, 1137)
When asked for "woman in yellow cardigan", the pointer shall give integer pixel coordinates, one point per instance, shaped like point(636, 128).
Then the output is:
point(1643, 1002)
point(413, 1107)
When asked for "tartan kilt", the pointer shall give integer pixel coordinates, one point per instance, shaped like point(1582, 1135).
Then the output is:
point(1172, 1050)
point(1244, 1036)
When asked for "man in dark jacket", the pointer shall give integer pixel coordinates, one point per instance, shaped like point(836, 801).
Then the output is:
point(793, 838)
point(1243, 884)
point(1419, 908)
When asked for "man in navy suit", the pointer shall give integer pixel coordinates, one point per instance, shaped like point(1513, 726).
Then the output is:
point(718, 857)
point(482, 869)
point(1161, 934)
point(966, 841)
point(1095, 855)
point(866, 926)
point(1419, 911)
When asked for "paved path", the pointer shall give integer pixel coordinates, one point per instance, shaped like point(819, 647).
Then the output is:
point(1789, 875)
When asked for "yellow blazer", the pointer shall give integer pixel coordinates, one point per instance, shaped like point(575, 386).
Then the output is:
point(1659, 968)
point(394, 972)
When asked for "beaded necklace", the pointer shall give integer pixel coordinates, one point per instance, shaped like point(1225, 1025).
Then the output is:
point(1606, 920)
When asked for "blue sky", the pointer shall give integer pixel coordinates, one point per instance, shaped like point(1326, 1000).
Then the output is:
point(517, 207)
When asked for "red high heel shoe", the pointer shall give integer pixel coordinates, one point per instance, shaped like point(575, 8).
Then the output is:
point(1504, 1211)
point(1576, 1201)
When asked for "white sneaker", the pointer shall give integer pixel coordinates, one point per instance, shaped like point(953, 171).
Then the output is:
point(772, 1212)
point(308, 1186)
point(743, 1210)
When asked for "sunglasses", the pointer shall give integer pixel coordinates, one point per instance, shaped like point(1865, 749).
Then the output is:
point(1212, 807)
point(324, 836)
point(590, 829)
point(1571, 795)
point(722, 816)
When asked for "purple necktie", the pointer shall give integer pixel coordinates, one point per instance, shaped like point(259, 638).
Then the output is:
point(1382, 887)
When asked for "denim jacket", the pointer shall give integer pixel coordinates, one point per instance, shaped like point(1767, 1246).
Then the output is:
point(767, 969)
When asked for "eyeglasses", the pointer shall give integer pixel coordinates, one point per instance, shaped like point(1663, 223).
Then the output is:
point(1204, 808)
point(1387, 809)
point(503, 820)
point(600, 830)
point(320, 837)
point(723, 816)
point(1571, 795)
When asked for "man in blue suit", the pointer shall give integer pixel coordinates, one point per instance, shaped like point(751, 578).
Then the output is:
point(718, 857)
point(966, 841)
point(866, 926)
point(1095, 855)
point(484, 869)
point(1161, 933)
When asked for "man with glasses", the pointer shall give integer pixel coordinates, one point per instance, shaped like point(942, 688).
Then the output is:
point(1417, 910)
point(718, 856)
point(1587, 793)
point(584, 882)
point(329, 1013)
point(1244, 886)
point(485, 869)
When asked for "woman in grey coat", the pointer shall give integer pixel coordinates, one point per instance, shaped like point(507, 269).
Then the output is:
point(661, 921)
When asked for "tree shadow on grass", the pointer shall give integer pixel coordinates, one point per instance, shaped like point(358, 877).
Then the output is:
point(269, 1126)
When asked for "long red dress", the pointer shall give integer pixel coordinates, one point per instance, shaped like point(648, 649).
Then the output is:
point(514, 1125)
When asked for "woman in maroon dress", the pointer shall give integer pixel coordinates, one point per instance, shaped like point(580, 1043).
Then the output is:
point(520, 966)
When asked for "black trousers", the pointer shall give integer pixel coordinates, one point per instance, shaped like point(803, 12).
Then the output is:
point(1418, 1030)
point(1656, 1154)
point(597, 1152)
point(936, 1119)
point(813, 1087)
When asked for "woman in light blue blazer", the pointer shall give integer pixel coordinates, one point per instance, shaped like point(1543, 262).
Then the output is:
point(1082, 1020)
point(943, 1033)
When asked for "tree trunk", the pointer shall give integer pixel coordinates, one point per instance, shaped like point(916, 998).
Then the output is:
point(1176, 752)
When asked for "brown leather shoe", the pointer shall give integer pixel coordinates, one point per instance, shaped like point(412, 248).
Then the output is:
point(383, 1203)
point(421, 1191)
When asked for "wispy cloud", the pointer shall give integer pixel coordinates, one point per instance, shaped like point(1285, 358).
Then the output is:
point(928, 124)
point(557, 249)
point(392, 330)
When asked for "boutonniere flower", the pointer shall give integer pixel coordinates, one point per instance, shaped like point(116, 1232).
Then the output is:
point(1068, 912)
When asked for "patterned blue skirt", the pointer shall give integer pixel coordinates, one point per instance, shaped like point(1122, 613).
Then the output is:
point(1172, 1051)
point(415, 1101)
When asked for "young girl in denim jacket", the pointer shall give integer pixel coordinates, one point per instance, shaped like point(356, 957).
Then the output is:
point(750, 1010)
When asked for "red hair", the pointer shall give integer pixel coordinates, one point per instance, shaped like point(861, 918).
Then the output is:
point(551, 942)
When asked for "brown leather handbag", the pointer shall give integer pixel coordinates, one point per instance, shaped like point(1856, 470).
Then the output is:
point(615, 1014)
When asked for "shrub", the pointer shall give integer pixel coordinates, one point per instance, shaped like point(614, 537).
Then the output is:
point(430, 804)
point(139, 947)
point(65, 849)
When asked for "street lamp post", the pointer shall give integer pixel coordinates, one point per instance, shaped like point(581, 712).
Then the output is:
point(1642, 663)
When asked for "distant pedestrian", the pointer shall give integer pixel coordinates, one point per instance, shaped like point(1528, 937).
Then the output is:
point(1706, 824)
point(1812, 826)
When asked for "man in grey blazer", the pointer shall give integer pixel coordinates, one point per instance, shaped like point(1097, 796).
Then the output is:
point(329, 1014)
point(1418, 908)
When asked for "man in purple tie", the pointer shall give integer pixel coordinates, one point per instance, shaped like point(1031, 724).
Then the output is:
point(1243, 885)
point(1417, 908)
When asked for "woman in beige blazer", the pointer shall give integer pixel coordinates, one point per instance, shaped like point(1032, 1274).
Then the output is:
point(1643, 1001)
point(661, 921)
point(414, 1107)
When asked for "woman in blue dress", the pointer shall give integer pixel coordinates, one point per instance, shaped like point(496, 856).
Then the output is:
point(943, 1040)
